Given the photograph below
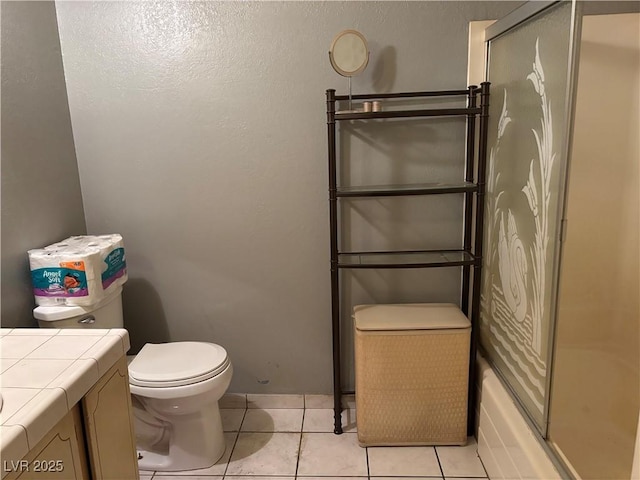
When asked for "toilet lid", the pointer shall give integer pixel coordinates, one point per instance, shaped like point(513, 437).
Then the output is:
point(177, 363)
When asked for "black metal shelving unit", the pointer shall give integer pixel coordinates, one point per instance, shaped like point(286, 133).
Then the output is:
point(472, 187)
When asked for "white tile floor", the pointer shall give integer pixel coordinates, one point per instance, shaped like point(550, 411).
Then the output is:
point(297, 443)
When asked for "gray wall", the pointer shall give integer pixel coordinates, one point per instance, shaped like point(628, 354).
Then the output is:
point(200, 136)
point(41, 199)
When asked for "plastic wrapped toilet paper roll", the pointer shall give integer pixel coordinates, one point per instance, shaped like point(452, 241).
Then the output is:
point(114, 268)
point(96, 262)
point(71, 277)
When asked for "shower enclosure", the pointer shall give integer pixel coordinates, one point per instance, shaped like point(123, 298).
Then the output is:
point(560, 311)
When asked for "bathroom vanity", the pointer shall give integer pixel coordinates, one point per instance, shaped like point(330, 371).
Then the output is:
point(66, 410)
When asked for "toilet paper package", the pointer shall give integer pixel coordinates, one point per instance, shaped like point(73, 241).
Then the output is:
point(113, 268)
point(79, 270)
point(65, 277)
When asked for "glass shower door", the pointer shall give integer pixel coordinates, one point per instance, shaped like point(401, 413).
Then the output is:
point(530, 69)
point(596, 371)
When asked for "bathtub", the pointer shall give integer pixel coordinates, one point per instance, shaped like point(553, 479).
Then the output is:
point(511, 449)
point(507, 446)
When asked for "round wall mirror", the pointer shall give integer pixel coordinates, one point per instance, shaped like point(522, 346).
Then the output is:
point(349, 53)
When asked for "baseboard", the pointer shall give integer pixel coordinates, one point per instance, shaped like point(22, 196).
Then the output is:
point(309, 401)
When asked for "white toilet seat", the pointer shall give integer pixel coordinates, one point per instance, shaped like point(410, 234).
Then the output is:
point(177, 364)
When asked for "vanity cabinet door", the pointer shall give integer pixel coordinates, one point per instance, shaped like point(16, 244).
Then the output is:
point(60, 455)
point(108, 425)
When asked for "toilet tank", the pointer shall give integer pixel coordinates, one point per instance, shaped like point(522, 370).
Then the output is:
point(104, 314)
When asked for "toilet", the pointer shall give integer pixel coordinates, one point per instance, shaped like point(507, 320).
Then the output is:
point(175, 388)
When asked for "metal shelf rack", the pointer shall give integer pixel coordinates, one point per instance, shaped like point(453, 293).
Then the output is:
point(472, 187)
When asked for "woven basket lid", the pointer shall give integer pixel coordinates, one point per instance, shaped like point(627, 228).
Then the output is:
point(409, 316)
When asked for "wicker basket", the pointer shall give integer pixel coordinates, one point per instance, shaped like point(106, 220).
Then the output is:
point(412, 365)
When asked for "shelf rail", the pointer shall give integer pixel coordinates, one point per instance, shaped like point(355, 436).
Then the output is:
point(434, 112)
point(405, 190)
point(381, 96)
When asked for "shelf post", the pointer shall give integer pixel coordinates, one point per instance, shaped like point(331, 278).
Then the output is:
point(335, 287)
point(468, 196)
point(477, 250)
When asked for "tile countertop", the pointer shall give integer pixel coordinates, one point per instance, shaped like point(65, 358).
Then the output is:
point(44, 373)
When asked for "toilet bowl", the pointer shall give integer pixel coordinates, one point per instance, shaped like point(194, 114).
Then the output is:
point(175, 388)
point(179, 384)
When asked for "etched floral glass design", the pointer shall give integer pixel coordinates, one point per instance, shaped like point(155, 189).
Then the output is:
point(528, 74)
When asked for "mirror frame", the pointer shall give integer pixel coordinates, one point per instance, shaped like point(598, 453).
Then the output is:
point(364, 63)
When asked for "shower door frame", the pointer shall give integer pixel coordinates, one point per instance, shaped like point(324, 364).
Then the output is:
point(525, 13)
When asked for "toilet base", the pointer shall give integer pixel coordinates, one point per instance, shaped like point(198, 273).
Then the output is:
point(163, 463)
point(195, 441)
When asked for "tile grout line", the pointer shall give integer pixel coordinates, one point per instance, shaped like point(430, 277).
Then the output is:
point(235, 442)
point(366, 454)
point(24, 357)
point(304, 412)
point(439, 464)
point(484, 469)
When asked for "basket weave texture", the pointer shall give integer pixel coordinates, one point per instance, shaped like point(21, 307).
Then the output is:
point(411, 387)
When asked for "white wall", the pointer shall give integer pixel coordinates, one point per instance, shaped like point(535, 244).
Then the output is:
point(201, 137)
